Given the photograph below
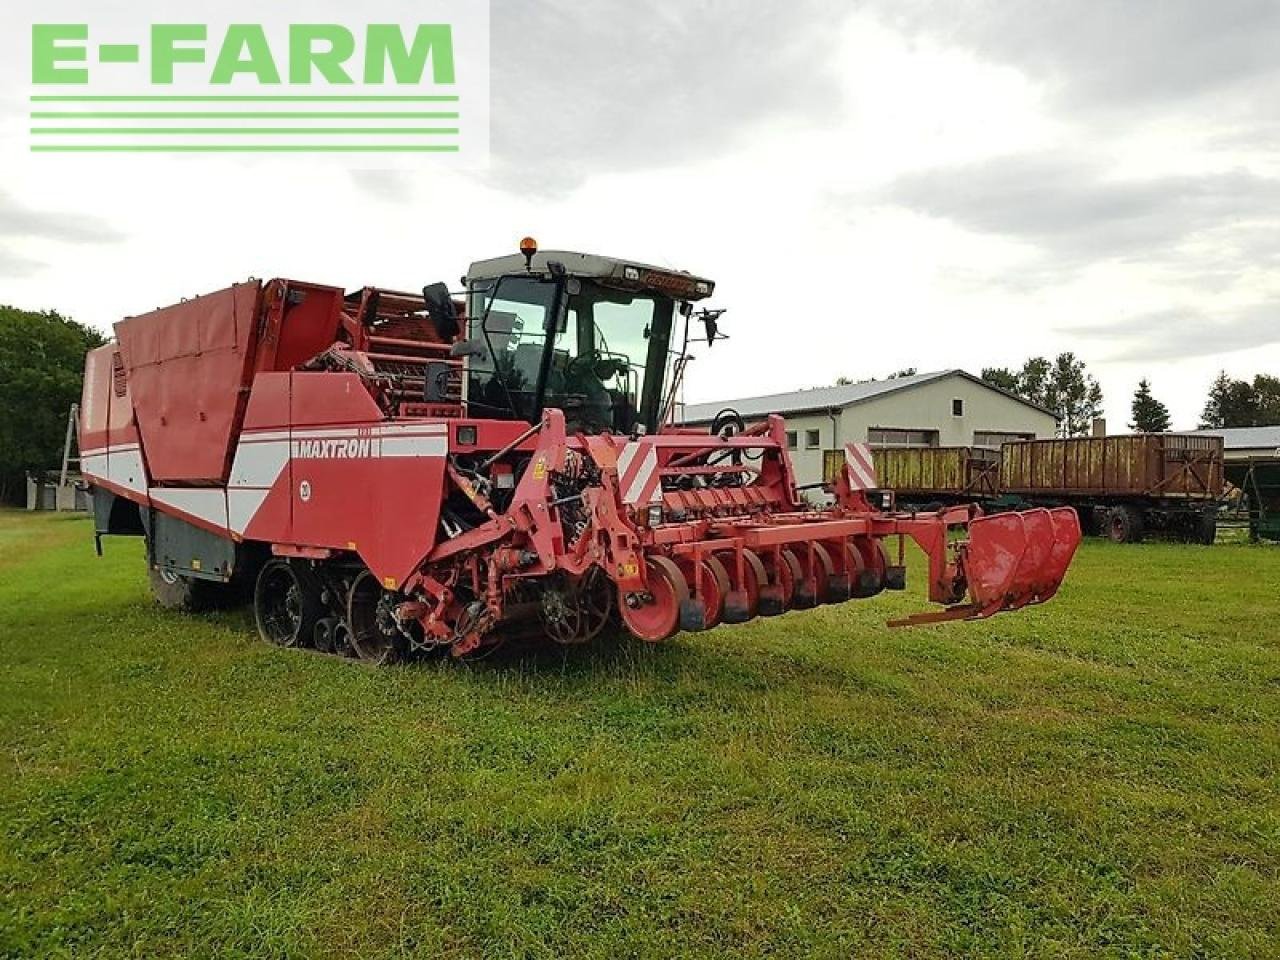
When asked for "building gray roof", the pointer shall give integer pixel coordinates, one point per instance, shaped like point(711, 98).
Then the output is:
point(828, 398)
point(1245, 438)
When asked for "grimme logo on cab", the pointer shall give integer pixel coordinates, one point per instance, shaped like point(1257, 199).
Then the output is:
point(250, 87)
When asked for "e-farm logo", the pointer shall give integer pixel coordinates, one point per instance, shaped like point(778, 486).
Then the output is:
point(376, 87)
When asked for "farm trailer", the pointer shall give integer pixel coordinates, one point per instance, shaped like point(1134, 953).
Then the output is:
point(389, 473)
point(1122, 486)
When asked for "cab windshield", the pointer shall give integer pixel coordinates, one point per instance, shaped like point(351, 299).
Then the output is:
point(603, 364)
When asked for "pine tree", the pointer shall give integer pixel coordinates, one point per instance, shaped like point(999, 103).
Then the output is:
point(1236, 403)
point(1149, 414)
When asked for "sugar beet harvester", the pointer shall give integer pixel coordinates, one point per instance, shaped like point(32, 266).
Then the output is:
point(392, 473)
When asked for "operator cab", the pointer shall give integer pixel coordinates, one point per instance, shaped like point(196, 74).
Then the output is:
point(587, 334)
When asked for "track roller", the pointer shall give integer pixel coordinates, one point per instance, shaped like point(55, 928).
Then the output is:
point(374, 631)
point(322, 636)
point(286, 603)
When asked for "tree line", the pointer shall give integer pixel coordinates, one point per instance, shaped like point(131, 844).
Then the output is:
point(1241, 403)
point(41, 368)
point(1231, 403)
point(1064, 386)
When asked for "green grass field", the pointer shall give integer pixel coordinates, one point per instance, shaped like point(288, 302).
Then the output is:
point(1096, 777)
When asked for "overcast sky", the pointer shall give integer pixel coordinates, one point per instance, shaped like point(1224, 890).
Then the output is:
point(872, 187)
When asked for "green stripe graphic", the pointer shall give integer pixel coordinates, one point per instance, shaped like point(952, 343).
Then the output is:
point(361, 107)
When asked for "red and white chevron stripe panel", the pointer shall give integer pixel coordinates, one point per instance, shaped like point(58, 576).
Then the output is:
point(638, 473)
point(862, 468)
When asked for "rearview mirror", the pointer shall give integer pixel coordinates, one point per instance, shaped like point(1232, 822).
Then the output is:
point(711, 321)
point(435, 297)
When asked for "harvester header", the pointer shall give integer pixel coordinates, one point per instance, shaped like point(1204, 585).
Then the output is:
point(390, 473)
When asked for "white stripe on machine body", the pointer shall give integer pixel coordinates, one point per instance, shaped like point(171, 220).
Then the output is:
point(205, 503)
point(260, 459)
point(120, 464)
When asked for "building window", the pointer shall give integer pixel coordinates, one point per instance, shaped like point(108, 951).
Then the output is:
point(811, 440)
point(791, 439)
point(886, 437)
point(957, 407)
point(994, 438)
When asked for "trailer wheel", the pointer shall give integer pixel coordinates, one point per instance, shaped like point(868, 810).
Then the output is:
point(375, 634)
point(1205, 530)
point(1124, 525)
point(1091, 523)
point(286, 603)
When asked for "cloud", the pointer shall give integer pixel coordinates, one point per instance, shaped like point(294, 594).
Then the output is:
point(1069, 207)
point(19, 222)
point(16, 265)
point(1180, 333)
point(616, 86)
point(391, 186)
point(1114, 55)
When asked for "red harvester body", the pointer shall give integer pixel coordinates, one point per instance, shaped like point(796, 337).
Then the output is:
point(392, 479)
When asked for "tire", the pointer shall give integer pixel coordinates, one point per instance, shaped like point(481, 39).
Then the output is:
point(1092, 520)
point(1124, 525)
point(322, 638)
point(1205, 530)
point(286, 603)
point(172, 591)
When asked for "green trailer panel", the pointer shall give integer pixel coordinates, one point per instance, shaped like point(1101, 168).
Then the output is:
point(930, 471)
